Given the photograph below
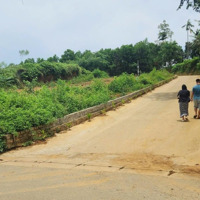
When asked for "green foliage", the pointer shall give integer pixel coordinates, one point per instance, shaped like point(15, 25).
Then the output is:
point(195, 45)
point(103, 111)
point(28, 143)
point(2, 143)
point(189, 66)
point(93, 62)
point(75, 65)
point(67, 56)
point(170, 53)
point(164, 31)
point(83, 78)
point(29, 86)
point(23, 110)
point(195, 4)
point(8, 77)
point(29, 71)
point(158, 75)
point(123, 84)
point(100, 74)
point(23, 53)
point(44, 71)
point(123, 101)
point(127, 83)
point(89, 116)
point(113, 105)
point(69, 125)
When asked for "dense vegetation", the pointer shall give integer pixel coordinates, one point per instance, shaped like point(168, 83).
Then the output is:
point(26, 109)
point(114, 62)
point(41, 72)
point(189, 66)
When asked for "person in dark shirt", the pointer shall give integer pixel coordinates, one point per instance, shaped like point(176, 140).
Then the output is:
point(184, 99)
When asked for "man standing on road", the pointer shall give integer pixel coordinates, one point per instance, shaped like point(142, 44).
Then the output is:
point(196, 98)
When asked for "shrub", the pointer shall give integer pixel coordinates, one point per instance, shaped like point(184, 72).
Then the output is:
point(2, 143)
point(100, 74)
point(189, 66)
point(122, 84)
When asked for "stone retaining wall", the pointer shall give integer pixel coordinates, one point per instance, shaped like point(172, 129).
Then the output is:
point(40, 133)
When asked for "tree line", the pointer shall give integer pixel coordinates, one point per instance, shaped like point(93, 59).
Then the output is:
point(126, 58)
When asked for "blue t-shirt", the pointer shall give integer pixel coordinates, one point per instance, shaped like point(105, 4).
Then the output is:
point(196, 92)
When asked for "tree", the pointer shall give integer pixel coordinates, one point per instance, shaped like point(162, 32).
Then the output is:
point(170, 53)
point(195, 4)
point(164, 31)
point(3, 64)
point(188, 26)
point(39, 60)
point(155, 60)
point(23, 53)
point(123, 60)
point(142, 55)
point(93, 63)
point(29, 60)
point(55, 58)
point(195, 46)
point(68, 55)
point(78, 55)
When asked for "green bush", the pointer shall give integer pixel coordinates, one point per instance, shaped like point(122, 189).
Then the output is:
point(189, 66)
point(2, 144)
point(145, 79)
point(127, 83)
point(100, 74)
point(122, 84)
point(29, 71)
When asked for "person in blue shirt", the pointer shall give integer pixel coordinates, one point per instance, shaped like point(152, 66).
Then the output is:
point(196, 98)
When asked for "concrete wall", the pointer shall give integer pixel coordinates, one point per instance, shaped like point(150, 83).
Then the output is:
point(23, 138)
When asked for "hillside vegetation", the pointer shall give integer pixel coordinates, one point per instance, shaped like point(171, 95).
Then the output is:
point(189, 66)
point(29, 108)
point(142, 57)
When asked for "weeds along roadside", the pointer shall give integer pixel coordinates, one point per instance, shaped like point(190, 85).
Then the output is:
point(21, 111)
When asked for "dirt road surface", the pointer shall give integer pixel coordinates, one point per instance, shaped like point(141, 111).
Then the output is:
point(142, 150)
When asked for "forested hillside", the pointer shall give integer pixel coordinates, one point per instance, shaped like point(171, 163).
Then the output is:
point(137, 59)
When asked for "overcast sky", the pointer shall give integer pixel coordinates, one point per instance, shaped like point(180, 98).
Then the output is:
point(48, 27)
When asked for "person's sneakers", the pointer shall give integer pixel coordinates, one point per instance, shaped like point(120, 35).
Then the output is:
point(195, 116)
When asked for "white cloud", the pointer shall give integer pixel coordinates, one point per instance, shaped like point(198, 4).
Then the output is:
point(50, 27)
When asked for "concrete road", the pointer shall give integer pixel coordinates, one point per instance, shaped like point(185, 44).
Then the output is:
point(140, 151)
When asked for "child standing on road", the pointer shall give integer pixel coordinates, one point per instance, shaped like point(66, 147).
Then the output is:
point(184, 99)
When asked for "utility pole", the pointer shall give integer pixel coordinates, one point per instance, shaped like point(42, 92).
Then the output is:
point(138, 68)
